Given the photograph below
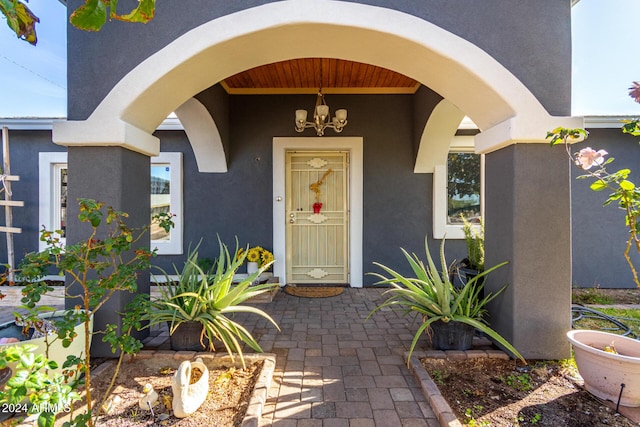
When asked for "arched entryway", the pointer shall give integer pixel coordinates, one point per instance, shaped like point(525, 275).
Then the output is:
point(500, 105)
point(504, 109)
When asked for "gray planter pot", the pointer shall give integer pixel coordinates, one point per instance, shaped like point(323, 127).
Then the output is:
point(451, 335)
point(187, 337)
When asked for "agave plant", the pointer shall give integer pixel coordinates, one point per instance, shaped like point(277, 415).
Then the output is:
point(432, 296)
point(209, 298)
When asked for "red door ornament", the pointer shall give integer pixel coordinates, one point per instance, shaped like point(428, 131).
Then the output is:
point(316, 207)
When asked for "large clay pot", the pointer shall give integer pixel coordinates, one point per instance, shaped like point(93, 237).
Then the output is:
point(186, 337)
point(604, 373)
point(451, 335)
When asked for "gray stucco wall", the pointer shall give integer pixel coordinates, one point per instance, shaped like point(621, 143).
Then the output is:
point(397, 202)
point(532, 38)
point(532, 313)
point(398, 208)
point(599, 232)
point(128, 191)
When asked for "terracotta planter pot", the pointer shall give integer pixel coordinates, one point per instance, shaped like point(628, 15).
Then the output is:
point(604, 373)
point(451, 336)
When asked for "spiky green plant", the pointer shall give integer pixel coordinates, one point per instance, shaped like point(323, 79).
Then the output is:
point(209, 298)
point(474, 237)
point(431, 295)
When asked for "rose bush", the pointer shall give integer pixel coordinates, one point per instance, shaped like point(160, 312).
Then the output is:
point(624, 192)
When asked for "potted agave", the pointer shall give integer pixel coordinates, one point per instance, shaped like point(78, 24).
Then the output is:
point(452, 313)
point(198, 305)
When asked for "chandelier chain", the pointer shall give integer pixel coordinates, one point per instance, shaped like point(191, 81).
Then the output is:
point(321, 116)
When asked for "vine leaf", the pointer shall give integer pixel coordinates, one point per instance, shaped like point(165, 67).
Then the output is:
point(21, 20)
point(143, 13)
point(94, 13)
point(90, 16)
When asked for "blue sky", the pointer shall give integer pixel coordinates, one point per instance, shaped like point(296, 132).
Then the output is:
point(605, 56)
point(34, 78)
point(605, 61)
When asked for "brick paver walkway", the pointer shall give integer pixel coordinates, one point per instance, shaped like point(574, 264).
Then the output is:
point(336, 369)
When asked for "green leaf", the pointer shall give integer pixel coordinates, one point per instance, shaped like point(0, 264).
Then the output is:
point(623, 173)
point(598, 185)
point(20, 19)
point(91, 16)
point(27, 359)
point(143, 13)
point(631, 127)
point(562, 135)
point(18, 380)
point(627, 185)
point(46, 419)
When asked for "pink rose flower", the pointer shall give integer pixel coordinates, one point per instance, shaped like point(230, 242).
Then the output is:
point(634, 91)
point(588, 157)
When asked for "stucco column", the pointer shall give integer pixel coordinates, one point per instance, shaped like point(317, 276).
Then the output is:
point(120, 178)
point(528, 223)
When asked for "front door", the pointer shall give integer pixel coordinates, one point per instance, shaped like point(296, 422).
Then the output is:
point(317, 232)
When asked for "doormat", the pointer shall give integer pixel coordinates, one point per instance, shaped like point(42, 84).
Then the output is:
point(313, 291)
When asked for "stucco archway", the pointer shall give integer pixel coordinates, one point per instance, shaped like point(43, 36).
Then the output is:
point(203, 135)
point(438, 131)
point(387, 38)
point(503, 108)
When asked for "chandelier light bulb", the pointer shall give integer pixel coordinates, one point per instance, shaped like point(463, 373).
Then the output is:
point(321, 118)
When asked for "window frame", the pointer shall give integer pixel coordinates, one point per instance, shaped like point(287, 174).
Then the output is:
point(50, 162)
point(174, 245)
point(441, 227)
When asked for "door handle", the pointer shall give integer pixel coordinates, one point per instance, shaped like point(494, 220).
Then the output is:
point(292, 218)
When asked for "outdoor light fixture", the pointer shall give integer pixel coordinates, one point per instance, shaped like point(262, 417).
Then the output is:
point(321, 117)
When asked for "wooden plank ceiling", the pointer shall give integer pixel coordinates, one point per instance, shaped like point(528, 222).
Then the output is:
point(303, 76)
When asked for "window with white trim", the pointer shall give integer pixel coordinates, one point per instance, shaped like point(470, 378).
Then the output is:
point(457, 189)
point(463, 187)
point(166, 196)
point(52, 208)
